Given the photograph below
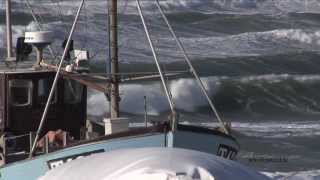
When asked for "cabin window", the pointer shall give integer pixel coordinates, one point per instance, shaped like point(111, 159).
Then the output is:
point(20, 92)
point(72, 92)
point(44, 88)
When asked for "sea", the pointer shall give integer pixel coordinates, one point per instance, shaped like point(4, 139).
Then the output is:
point(259, 61)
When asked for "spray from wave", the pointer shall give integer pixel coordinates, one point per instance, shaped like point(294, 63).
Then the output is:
point(185, 92)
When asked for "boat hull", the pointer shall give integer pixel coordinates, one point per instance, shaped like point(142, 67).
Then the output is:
point(32, 169)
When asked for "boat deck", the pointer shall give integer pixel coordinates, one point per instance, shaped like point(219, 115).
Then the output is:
point(20, 67)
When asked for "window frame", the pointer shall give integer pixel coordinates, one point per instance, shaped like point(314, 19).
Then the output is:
point(78, 91)
point(20, 84)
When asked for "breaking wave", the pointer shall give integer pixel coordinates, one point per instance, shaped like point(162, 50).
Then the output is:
point(132, 97)
point(264, 96)
point(278, 129)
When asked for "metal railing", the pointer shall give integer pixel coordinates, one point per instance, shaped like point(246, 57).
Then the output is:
point(10, 146)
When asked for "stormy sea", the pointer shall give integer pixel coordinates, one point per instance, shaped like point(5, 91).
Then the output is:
point(259, 60)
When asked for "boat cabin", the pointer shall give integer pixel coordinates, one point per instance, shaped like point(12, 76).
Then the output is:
point(23, 95)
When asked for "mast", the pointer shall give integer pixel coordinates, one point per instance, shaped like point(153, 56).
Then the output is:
point(114, 66)
point(8, 29)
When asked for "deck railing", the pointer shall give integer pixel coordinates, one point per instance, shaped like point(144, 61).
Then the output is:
point(16, 148)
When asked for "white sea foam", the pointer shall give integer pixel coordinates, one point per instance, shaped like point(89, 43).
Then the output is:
point(187, 93)
point(298, 35)
point(275, 129)
point(253, 43)
point(97, 104)
point(298, 175)
point(276, 78)
point(245, 44)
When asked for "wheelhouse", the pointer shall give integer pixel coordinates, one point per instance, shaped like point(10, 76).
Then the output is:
point(23, 96)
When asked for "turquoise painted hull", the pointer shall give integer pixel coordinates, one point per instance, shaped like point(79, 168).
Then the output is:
point(32, 169)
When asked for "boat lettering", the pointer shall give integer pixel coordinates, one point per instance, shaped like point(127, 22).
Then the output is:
point(227, 152)
point(60, 161)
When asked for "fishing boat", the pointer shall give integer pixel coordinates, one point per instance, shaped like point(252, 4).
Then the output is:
point(43, 107)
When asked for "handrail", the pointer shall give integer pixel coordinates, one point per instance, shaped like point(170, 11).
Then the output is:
point(55, 82)
point(16, 137)
point(4, 140)
point(166, 89)
point(193, 71)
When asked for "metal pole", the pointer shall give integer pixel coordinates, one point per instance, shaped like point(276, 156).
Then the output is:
point(55, 82)
point(166, 89)
point(31, 137)
point(4, 150)
point(194, 72)
point(145, 112)
point(113, 49)
point(46, 145)
point(39, 55)
point(8, 29)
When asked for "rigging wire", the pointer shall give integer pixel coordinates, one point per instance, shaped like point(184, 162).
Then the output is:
point(174, 120)
point(192, 69)
point(34, 15)
point(108, 60)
